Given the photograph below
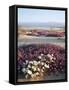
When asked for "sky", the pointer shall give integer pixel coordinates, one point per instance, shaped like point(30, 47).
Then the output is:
point(26, 15)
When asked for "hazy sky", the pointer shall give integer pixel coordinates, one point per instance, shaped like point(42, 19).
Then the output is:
point(40, 16)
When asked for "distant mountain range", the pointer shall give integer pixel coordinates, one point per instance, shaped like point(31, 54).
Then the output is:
point(44, 25)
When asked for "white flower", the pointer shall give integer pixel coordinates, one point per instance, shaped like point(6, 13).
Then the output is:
point(31, 62)
point(26, 61)
point(38, 69)
point(47, 66)
point(43, 68)
point(29, 72)
point(38, 62)
point(51, 57)
point(54, 58)
point(24, 70)
point(42, 63)
point(34, 68)
point(42, 54)
point(39, 57)
point(29, 66)
point(35, 62)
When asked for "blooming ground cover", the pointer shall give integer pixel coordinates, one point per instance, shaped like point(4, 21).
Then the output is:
point(38, 60)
